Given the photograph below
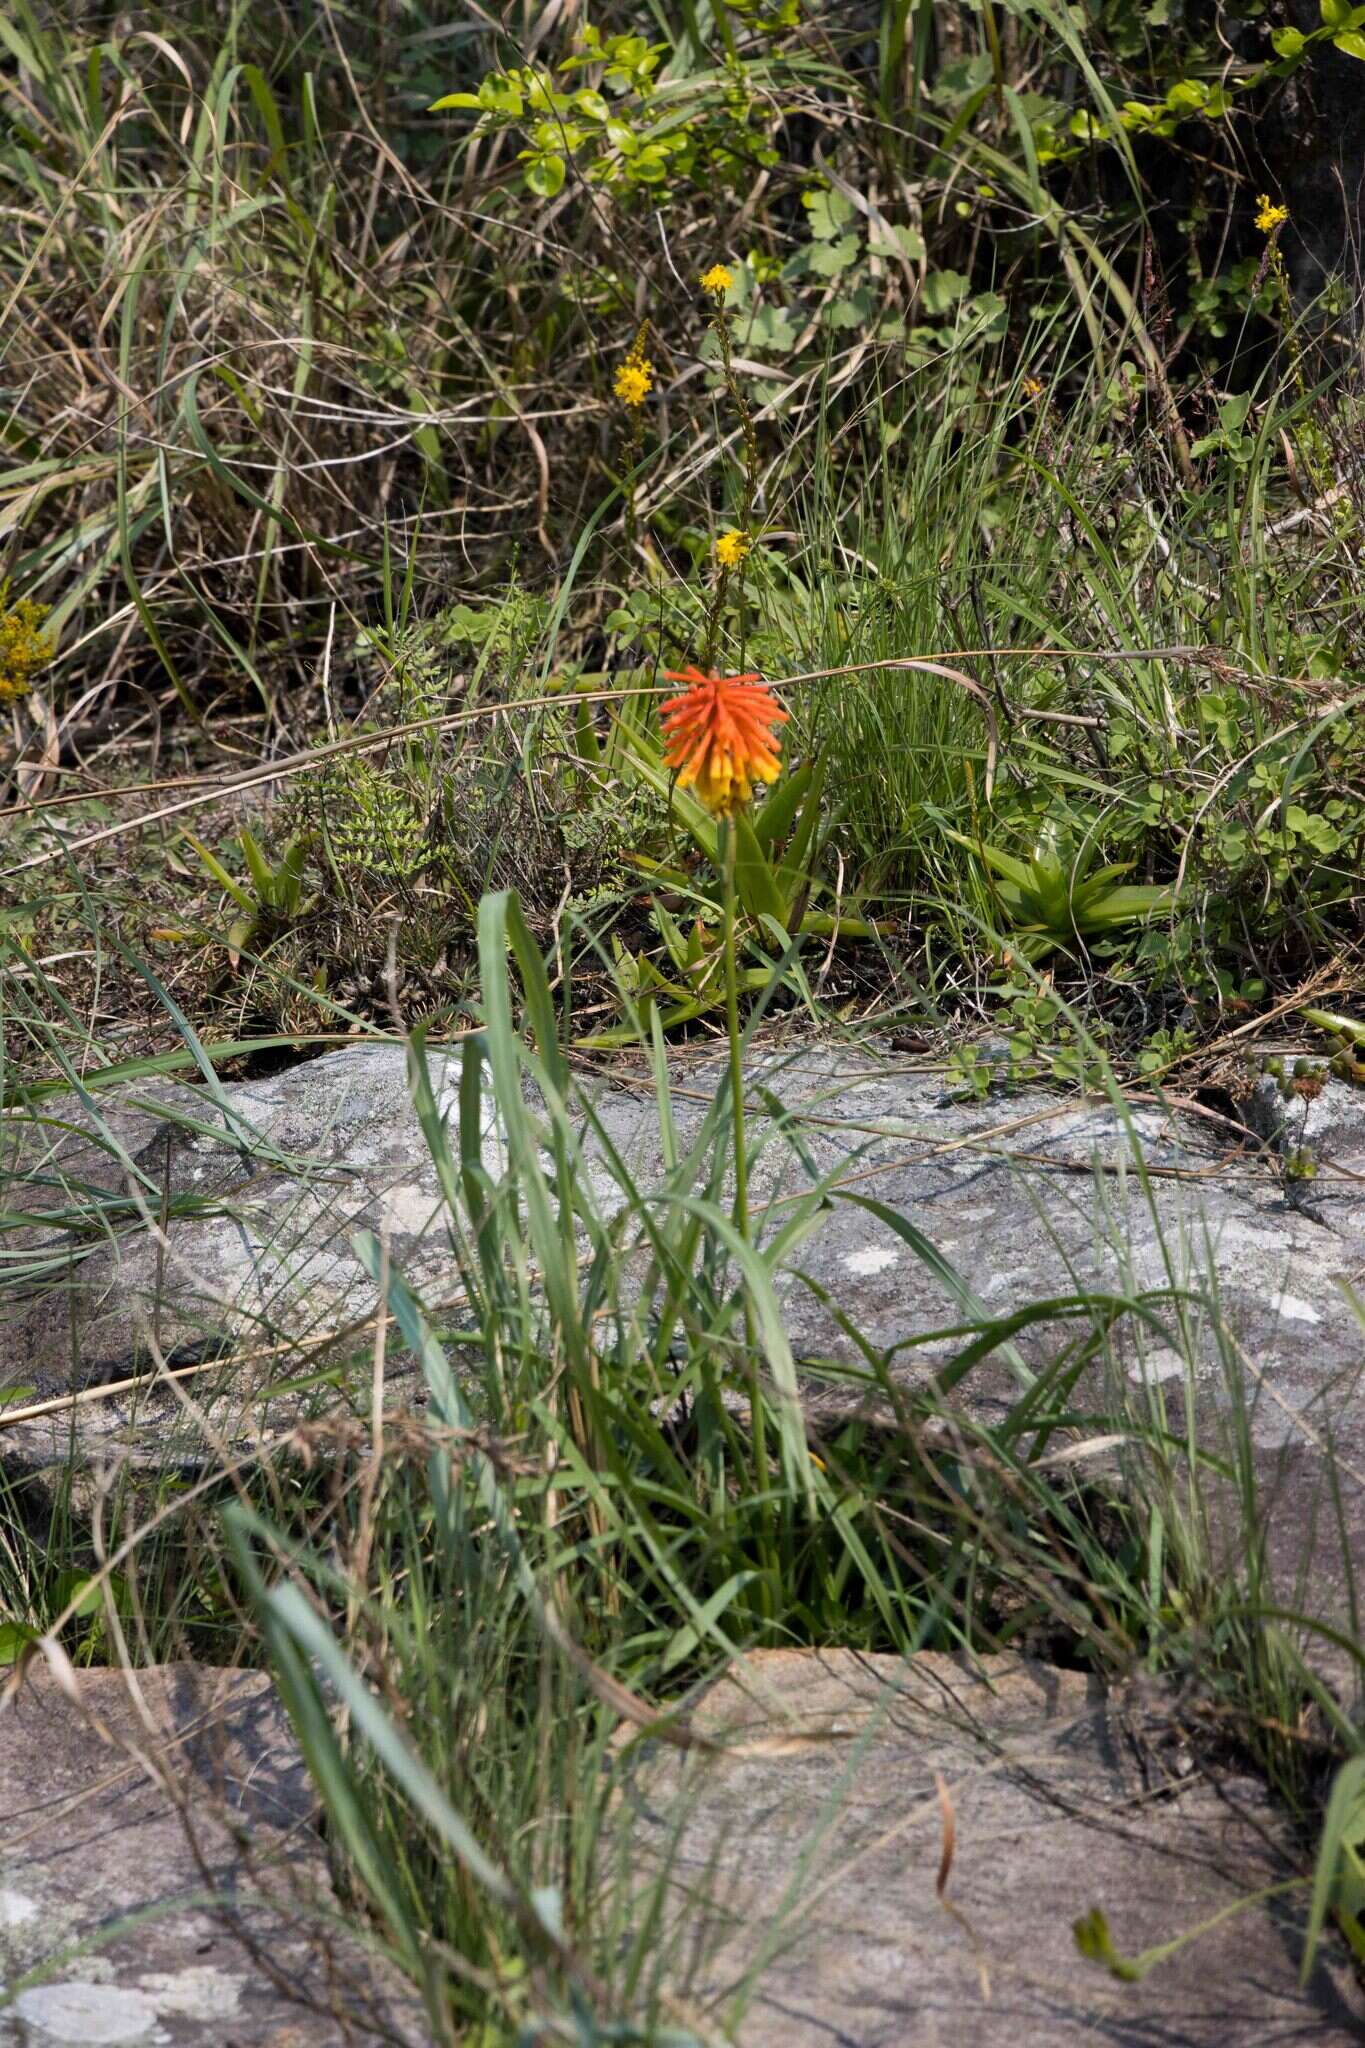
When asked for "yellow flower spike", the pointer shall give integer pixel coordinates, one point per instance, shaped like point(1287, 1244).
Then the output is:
point(634, 380)
point(717, 280)
point(1270, 217)
point(732, 547)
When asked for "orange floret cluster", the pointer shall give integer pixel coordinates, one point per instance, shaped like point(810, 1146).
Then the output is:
point(720, 737)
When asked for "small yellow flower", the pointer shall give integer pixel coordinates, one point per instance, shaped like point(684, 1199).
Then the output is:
point(732, 547)
point(634, 380)
point(24, 646)
point(717, 280)
point(1270, 217)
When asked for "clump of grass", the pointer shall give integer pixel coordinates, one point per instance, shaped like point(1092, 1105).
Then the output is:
point(462, 1598)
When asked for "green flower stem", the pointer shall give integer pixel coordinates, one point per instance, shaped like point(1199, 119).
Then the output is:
point(713, 620)
point(720, 327)
point(729, 848)
point(728, 851)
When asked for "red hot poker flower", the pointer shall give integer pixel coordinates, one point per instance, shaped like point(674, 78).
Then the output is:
point(720, 736)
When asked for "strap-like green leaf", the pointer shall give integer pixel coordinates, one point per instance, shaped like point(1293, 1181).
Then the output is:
point(755, 882)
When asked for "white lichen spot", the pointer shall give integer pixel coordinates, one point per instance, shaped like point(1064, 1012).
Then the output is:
point(16, 1909)
point(1295, 1311)
point(492, 1145)
point(200, 1992)
point(409, 1208)
point(873, 1258)
point(1161, 1364)
point(88, 2015)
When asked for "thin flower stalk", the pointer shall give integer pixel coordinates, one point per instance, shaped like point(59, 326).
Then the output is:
point(720, 740)
point(633, 382)
point(730, 915)
point(1270, 219)
point(732, 547)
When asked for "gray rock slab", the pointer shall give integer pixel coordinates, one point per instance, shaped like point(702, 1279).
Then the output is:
point(170, 1227)
point(262, 1199)
point(161, 1881)
point(202, 1222)
point(1026, 1195)
point(815, 1839)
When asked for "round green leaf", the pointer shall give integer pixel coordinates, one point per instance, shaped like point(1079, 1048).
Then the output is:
point(545, 176)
